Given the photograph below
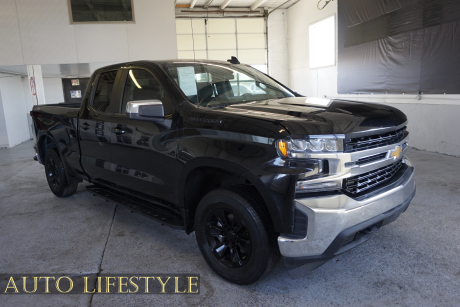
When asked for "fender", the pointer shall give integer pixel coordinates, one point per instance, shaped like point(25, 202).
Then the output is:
point(233, 168)
point(41, 137)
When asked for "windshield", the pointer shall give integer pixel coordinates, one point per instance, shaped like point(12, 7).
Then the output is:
point(213, 85)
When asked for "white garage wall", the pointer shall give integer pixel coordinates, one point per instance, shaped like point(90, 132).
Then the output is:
point(433, 120)
point(15, 111)
point(53, 90)
point(39, 32)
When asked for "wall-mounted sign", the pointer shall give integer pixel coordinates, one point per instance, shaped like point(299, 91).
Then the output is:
point(75, 82)
point(33, 91)
point(75, 94)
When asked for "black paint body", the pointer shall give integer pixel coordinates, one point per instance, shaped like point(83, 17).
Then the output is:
point(159, 161)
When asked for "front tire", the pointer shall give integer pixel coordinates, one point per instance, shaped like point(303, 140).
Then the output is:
point(56, 177)
point(234, 236)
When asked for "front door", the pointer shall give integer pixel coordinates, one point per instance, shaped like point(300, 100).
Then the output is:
point(94, 130)
point(143, 151)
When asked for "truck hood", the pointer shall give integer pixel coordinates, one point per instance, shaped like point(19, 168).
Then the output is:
point(303, 116)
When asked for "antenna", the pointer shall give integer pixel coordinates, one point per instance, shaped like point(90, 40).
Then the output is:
point(234, 60)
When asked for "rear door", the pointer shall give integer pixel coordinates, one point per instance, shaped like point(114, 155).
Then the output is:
point(144, 151)
point(94, 126)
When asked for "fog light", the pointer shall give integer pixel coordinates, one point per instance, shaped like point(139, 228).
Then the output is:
point(305, 186)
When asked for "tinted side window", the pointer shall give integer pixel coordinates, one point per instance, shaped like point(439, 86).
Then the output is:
point(104, 89)
point(142, 85)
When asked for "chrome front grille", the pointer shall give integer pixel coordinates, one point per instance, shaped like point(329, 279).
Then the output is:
point(370, 159)
point(365, 181)
point(374, 141)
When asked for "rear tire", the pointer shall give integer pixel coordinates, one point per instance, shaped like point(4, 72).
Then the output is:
point(56, 176)
point(234, 236)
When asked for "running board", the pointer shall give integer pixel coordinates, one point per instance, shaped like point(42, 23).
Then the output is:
point(139, 205)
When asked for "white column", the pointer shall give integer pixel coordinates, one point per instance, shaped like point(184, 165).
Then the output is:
point(278, 55)
point(36, 84)
point(3, 133)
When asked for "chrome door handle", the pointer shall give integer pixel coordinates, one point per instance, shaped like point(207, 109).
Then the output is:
point(118, 130)
point(85, 126)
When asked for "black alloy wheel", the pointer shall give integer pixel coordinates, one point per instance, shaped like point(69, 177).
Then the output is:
point(235, 236)
point(53, 173)
point(228, 238)
point(56, 175)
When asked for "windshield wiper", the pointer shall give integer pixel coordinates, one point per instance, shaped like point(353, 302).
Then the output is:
point(222, 105)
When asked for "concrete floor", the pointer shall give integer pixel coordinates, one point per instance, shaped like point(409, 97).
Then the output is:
point(412, 262)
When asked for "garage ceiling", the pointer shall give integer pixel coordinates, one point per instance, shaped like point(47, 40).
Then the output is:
point(229, 8)
point(222, 4)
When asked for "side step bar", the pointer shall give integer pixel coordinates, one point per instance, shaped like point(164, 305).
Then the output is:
point(139, 205)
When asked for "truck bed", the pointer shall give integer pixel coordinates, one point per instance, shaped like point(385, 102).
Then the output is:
point(62, 110)
point(73, 105)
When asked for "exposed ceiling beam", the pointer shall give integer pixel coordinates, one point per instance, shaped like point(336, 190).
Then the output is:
point(225, 4)
point(208, 3)
point(257, 4)
point(192, 4)
point(213, 12)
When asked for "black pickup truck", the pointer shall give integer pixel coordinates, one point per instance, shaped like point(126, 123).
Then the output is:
point(259, 172)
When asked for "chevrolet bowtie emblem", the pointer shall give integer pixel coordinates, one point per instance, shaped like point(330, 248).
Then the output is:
point(396, 152)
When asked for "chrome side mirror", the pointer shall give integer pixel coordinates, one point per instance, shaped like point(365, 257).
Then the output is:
point(145, 110)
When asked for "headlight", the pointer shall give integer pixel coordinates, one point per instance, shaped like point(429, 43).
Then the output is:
point(296, 148)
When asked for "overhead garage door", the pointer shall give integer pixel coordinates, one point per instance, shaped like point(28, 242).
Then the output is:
point(221, 38)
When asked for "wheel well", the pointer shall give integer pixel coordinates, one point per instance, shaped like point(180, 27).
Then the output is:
point(44, 144)
point(203, 180)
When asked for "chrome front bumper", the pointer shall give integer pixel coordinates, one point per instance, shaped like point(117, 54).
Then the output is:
point(329, 216)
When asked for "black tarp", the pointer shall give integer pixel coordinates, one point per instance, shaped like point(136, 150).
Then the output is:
point(399, 46)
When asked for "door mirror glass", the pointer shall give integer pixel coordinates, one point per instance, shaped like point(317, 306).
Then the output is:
point(145, 110)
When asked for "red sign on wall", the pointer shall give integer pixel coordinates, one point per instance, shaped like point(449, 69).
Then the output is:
point(32, 86)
